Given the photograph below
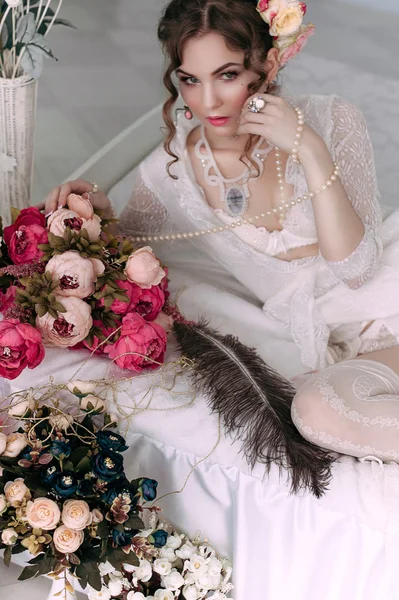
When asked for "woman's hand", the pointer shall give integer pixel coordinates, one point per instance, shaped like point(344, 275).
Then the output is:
point(277, 123)
point(57, 198)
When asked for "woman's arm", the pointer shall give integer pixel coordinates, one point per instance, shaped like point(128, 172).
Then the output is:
point(348, 214)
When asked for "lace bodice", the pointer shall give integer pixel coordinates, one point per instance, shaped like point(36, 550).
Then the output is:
point(290, 291)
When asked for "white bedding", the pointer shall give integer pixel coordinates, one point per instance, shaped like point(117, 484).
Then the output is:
point(341, 547)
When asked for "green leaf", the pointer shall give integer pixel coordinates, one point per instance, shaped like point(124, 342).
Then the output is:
point(41, 310)
point(134, 522)
point(7, 556)
point(103, 530)
point(26, 29)
point(77, 454)
point(84, 466)
point(64, 22)
point(28, 573)
point(73, 559)
point(59, 307)
point(52, 312)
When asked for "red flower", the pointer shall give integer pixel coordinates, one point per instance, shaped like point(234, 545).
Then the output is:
point(121, 307)
point(7, 299)
point(138, 339)
point(27, 217)
point(20, 347)
point(150, 303)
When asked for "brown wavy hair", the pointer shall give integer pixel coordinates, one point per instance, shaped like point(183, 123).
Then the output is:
point(242, 29)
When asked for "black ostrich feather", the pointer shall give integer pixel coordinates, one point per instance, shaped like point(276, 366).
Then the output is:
point(255, 405)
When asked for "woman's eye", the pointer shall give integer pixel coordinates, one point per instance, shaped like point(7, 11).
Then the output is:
point(229, 75)
point(190, 80)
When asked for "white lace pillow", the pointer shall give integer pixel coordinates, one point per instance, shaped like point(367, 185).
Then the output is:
point(351, 408)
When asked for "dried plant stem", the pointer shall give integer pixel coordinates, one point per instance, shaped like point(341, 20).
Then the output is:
point(43, 15)
point(39, 11)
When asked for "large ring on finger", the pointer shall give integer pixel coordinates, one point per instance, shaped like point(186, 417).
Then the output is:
point(93, 190)
point(256, 105)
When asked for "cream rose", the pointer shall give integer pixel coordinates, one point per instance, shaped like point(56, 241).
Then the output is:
point(9, 536)
point(80, 205)
point(75, 274)
point(268, 9)
point(70, 328)
point(81, 388)
point(103, 594)
point(16, 442)
point(67, 540)
point(144, 269)
point(97, 515)
point(15, 491)
point(164, 595)
point(3, 504)
point(190, 592)
point(76, 514)
point(288, 21)
point(60, 421)
point(43, 513)
point(162, 566)
point(96, 402)
point(20, 407)
point(3, 442)
point(144, 571)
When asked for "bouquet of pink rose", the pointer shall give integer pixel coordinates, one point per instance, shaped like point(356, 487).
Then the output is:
point(66, 281)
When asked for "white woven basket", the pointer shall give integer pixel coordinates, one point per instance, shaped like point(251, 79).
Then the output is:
point(17, 124)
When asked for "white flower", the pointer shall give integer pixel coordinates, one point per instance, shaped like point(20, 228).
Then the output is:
point(129, 568)
point(190, 592)
point(13, 3)
point(115, 587)
point(20, 408)
point(208, 582)
point(207, 551)
point(196, 565)
point(162, 566)
point(144, 571)
point(16, 442)
point(135, 596)
point(60, 421)
point(164, 595)
point(105, 568)
point(103, 594)
point(174, 581)
point(97, 403)
point(81, 388)
point(174, 542)
point(168, 553)
point(186, 551)
point(3, 443)
point(9, 536)
point(214, 566)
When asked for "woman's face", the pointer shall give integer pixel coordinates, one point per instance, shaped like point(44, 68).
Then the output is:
point(214, 83)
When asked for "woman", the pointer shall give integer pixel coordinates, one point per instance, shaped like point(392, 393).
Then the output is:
point(281, 194)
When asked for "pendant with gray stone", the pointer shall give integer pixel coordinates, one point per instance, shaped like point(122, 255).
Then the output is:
point(236, 201)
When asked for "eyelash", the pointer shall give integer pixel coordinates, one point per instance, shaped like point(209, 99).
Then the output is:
point(235, 74)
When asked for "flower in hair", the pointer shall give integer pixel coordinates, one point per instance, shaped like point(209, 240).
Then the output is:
point(285, 20)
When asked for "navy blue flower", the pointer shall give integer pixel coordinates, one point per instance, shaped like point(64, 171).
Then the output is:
point(85, 488)
point(148, 489)
point(107, 465)
point(65, 484)
point(49, 475)
point(108, 440)
point(123, 538)
point(160, 537)
point(60, 450)
point(120, 486)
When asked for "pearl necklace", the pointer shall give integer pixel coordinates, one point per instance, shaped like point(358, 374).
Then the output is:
point(282, 208)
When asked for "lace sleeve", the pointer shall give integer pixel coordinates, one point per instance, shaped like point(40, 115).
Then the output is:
point(352, 150)
point(145, 213)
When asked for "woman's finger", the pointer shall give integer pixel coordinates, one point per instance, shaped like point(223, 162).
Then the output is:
point(51, 201)
point(252, 128)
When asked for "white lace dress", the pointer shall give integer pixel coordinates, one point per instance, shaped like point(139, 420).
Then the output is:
point(331, 310)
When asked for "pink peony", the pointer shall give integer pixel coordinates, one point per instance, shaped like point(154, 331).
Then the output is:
point(63, 218)
point(67, 540)
point(98, 266)
point(20, 347)
point(144, 268)
point(138, 339)
point(22, 245)
point(8, 299)
point(43, 513)
point(75, 273)
point(71, 327)
point(81, 205)
point(150, 303)
point(27, 217)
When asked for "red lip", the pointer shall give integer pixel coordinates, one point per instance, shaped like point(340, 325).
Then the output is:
point(218, 121)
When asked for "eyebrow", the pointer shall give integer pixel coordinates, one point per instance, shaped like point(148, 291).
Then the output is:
point(222, 68)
